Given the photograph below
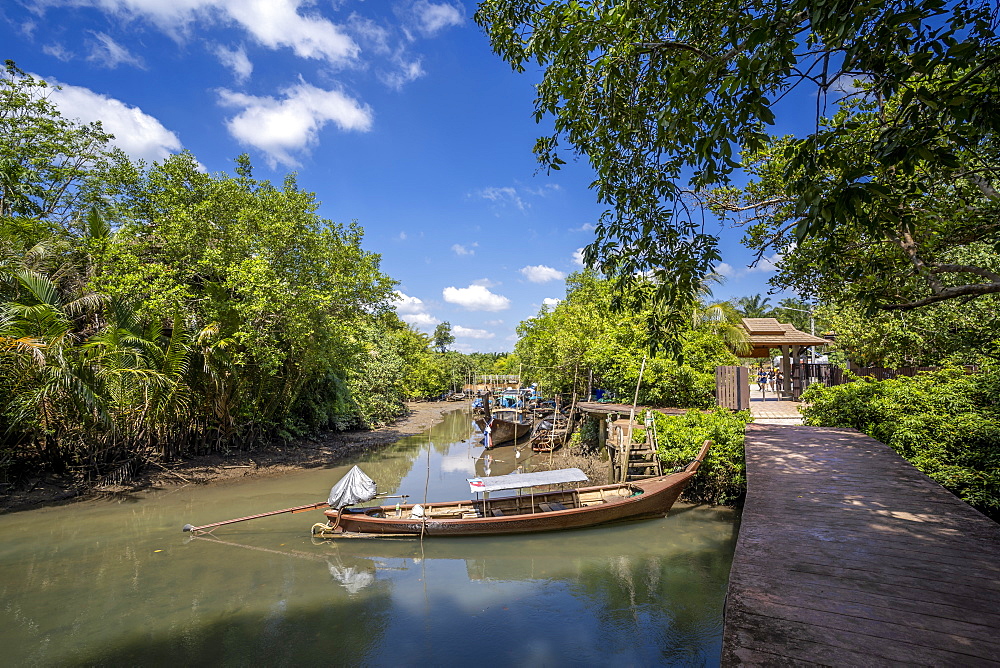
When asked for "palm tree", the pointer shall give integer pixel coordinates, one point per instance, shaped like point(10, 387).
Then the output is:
point(755, 306)
point(723, 320)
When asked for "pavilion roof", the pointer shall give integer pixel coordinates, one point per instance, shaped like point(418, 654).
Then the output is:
point(769, 333)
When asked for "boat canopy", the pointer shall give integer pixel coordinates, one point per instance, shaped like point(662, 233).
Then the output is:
point(520, 480)
point(354, 487)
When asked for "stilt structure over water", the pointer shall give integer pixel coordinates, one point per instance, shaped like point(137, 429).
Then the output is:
point(849, 556)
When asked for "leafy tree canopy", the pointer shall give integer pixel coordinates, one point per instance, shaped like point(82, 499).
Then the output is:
point(583, 340)
point(443, 336)
point(662, 98)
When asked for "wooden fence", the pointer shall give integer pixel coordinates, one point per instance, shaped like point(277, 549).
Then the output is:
point(732, 387)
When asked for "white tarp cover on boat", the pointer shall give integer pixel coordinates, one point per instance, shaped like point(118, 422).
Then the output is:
point(518, 480)
point(354, 487)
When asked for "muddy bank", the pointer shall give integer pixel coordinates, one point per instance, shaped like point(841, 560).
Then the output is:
point(274, 459)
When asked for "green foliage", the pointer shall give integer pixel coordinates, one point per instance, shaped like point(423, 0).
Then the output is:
point(664, 382)
point(754, 306)
point(931, 336)
point(586, 434)
point(157, 311)
point(584, 338)
point(722, 476)
point(946, 423)
point(443, 337)
point(659, 97)
point(45, 158)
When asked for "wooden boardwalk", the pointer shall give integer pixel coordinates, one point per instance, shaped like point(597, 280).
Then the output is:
point(849, 556)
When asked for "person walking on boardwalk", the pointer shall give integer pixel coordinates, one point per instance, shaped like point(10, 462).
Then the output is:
point(761, 379)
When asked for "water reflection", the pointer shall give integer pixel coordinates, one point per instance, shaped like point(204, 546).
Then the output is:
point(118, 583)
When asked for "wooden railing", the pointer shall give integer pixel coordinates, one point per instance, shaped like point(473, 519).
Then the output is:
point(830, 374)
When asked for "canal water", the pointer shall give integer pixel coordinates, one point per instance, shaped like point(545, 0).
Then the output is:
point(116, 582)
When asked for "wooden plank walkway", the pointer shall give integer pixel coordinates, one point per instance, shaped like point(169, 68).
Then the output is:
point(849, 556)
point(623, 409)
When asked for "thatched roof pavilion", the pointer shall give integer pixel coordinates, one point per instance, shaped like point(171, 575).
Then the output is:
point(767, 333)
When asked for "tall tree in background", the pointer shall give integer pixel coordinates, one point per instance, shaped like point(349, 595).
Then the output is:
point(662, 96)
point(754, 306)
point(443, 337)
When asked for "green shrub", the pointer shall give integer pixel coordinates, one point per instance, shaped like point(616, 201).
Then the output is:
point(585, 435)
point(946, 423)
point(722, 476)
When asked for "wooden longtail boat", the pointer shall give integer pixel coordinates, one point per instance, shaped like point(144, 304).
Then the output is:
point(550, 433)
point(524, 513)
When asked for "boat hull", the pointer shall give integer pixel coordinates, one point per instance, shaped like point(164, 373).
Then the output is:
point(503, 431)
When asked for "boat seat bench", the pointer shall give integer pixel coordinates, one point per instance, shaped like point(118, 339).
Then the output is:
point(551, 506)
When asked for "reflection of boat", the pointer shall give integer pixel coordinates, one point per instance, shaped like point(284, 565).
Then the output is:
point(504, 425)
point(537, 511)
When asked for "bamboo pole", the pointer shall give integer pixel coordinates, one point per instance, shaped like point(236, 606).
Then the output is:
point(296, 509)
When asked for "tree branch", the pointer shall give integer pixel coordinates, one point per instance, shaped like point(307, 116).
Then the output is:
point(975, 290)
point(965, 269)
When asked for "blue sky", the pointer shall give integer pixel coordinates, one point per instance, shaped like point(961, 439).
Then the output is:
point(397, 114)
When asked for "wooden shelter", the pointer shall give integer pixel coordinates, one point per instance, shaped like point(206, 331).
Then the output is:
point(767, 333)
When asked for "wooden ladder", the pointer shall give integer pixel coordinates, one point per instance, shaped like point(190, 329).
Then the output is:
point(638, 460)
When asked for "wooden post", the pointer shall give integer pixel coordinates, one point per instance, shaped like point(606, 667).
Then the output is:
point(786, 373)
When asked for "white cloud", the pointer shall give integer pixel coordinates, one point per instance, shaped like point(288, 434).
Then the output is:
point(725, 269)
point(544, 190)
point(282, 127)
point(432, 17)
point(505, 195)
point(766, 265)
point(542, 274)
point(277, 23)
point(236, 60)
point(485, 282)
point(420, 320)
point(476, 298)
point(406, 304)
point(58, 51)
point(578, 257)
point(406, 70)
point(413, 310)
point(850, 84)
point(137, 133)
point(459, 249)
point(110, 53)
point(586, 227)
point(374, 36)
point(467, 333)
point(272, 23)
point(551, 301)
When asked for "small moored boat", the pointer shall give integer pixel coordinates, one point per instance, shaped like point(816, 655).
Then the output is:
point(526, 512)
point(504, 425)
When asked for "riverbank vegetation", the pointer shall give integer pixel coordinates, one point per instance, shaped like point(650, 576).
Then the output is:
point(153, 311)
point(722, 476)
point(589, 341)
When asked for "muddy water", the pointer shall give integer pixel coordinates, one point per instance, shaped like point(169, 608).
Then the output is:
point(116, 582)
